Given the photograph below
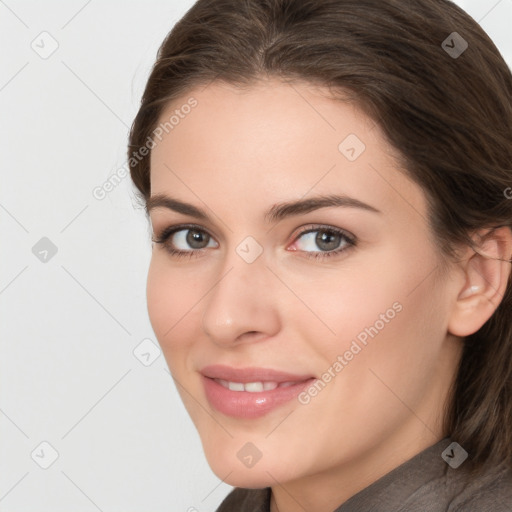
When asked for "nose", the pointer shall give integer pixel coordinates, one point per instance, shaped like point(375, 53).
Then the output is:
point(243, 304)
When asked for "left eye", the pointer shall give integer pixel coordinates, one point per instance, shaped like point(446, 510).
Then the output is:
point(322, 240)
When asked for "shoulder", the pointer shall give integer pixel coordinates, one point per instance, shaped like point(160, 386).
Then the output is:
point(246, 500)
point(490, 490)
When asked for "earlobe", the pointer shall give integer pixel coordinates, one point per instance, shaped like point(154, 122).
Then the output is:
point(487, 274)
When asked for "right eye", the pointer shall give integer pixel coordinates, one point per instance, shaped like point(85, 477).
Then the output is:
point(185, 240)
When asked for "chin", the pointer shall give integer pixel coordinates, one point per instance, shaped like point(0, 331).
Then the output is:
point(247, 478)
point(233, 472)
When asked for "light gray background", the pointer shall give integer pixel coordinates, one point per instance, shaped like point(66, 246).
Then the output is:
point(70, 325)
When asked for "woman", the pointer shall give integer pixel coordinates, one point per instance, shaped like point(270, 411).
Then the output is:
point(327, 182)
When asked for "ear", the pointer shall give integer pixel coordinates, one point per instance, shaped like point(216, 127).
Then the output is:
point(486, 274)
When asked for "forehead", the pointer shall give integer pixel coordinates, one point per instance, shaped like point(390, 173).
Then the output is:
point(275, 142)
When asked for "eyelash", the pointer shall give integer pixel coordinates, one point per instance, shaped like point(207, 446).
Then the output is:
point(349, 240)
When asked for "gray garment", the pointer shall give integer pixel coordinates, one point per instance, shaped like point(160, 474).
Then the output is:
point(424, 483)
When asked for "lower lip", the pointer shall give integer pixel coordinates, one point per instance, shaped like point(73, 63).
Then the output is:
point(243, 404)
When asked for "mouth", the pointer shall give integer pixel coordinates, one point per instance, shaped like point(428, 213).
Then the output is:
point(250, 392)
point(254, 387)
point(251, 374)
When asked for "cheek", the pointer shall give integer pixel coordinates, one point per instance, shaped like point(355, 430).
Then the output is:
point(343, 303)
point(399, 324)
point(171, 298)
point(389, 314)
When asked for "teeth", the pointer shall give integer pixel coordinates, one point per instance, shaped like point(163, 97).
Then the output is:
point(286, 384)
point(251, 387)
point(235, 386)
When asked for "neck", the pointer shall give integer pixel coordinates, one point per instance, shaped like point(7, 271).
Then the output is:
point(326, 491)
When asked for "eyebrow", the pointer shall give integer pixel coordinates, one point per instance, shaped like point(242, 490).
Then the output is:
point(274, 214)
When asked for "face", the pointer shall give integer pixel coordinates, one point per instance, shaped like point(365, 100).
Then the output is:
point(296, 255)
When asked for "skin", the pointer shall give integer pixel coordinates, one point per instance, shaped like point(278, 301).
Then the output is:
point(238, 153)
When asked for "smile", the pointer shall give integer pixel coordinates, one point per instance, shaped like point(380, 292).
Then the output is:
point(253, 387)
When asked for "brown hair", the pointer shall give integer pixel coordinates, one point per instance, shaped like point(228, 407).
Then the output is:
point(449, 116)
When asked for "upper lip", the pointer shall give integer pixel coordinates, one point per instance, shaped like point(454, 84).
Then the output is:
point(250, 374)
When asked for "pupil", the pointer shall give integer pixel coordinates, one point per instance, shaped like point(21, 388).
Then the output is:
point(196, 239)
point(327, 240)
